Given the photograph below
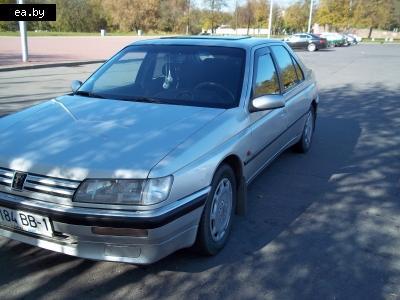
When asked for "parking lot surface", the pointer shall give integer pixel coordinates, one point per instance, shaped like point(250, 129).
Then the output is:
point(325, 225)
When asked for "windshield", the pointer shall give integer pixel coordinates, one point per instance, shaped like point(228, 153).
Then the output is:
point(183, 75)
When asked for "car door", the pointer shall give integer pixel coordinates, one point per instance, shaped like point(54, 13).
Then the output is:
point(304, 40)
point(313, 39)
point(293, 41)
point(310, 39)
point(294, 88)
point(267, 126)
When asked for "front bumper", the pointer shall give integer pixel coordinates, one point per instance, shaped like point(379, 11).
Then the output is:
point(168, 229)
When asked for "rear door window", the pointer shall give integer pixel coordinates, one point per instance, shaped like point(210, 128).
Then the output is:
point(299, 71)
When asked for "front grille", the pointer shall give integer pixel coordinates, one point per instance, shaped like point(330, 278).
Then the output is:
point(40, 187)
point(6, 177)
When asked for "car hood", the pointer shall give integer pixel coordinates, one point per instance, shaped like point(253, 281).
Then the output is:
point(78, 137)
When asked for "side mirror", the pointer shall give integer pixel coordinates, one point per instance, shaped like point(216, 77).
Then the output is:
point(267, 102)
point(75, 85)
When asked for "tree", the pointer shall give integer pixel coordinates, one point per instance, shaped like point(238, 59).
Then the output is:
point(278, 24)
point(173, 15)
point(213, 13)
point(8, 25)
point(296, 16)
point(247, 14)
point(79, 16)
point(374, 14)
point(253, 13)
point(128, 15)
point(336, 13)
point(396, 21)
point(260, 12)
point(196, 20)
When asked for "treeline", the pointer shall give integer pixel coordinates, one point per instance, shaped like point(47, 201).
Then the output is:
point(338, 15)
point(181, 16)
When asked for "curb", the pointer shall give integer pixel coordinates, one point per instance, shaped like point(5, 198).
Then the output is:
point(50, 65)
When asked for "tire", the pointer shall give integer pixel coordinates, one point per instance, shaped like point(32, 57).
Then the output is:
point(311, 47)
point(215, 224)
point(304, 144)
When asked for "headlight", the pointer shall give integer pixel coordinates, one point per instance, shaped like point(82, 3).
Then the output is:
point(124, 191)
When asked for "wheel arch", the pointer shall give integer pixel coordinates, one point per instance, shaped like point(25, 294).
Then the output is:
point(314, 105)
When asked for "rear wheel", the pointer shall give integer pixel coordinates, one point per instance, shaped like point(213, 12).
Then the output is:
point(216, 221)
point(308, 131)
point(311, 47)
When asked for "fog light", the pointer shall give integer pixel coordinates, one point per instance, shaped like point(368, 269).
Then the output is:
point(120, 231)
point(122, 251)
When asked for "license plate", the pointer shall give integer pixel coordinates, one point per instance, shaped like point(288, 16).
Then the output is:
point(25, 221)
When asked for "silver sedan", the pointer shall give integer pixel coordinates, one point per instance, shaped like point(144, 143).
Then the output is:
point(154, 152)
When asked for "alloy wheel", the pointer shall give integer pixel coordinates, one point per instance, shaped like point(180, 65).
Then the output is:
point(221, 209)
point(308, 128)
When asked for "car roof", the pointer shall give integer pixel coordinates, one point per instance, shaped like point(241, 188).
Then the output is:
point(245, 42)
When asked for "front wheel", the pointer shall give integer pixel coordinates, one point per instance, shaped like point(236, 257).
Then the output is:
point(308, 131)
point(216, 221)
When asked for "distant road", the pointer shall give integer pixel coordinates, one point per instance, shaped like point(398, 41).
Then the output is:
point(63, 49)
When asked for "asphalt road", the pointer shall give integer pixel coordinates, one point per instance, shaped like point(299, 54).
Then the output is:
point(325, 225)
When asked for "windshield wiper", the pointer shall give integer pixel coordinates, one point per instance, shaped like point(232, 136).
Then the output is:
point(88, 94)
point(145, 99)
point(135, 98)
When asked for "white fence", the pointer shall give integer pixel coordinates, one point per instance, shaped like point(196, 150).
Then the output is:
point(241, 31)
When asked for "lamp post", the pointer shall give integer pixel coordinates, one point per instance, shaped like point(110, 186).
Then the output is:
point(270, 19)
point(236, 16)
point(188, 18)
point(24, 37)
point(310, 17)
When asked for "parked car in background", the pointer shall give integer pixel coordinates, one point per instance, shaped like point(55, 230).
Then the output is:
point(350, 40)
point(334, 39)
point(356, 38)
point(153, 153)
point(308, 41)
